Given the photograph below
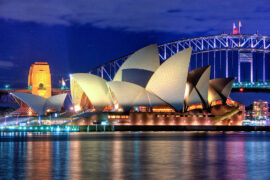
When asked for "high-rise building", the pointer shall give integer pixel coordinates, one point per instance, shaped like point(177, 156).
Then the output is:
point(39, 79)
point(260, 110)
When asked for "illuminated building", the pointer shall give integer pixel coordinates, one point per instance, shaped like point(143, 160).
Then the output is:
point(39, 79)
point(36, 105)
point(197, 87)
point(260, 110)
point(143, 87)
point(39, 99)
point(258, 116)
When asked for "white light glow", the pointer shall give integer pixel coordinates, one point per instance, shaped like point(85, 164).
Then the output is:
point(77, 108)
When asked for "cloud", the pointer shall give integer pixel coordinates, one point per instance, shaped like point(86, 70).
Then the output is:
point(6, 64)
point(177, 16)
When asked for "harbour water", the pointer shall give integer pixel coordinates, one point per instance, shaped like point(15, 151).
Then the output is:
point(135, 155)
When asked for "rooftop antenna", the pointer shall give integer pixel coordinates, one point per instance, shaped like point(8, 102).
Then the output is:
point(240, 25)
point(235, 29)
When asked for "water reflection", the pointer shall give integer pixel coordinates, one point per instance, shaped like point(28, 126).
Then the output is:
point(74, 159)
point(117, 160)
point(38, 159)
point(120, 156)
point(12, 160)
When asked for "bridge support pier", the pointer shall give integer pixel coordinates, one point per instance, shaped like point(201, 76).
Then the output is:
point(239, 68)
point(264, 67)
point(251, 71)
point(214, 64)
point(227, 65)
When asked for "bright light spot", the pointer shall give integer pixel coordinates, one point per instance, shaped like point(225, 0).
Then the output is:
point(7, 86)
point(187, 90)
point(63, 82)
point(103, 123)
point(120, 110)
point(116, 106)
point(77, 108)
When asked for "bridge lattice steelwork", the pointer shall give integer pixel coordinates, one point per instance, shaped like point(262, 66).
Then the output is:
point(245, 57)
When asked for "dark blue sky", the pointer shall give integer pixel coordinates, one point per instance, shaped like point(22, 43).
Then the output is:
point(77, 35)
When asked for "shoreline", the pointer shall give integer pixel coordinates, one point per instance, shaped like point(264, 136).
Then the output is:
point(112, 128)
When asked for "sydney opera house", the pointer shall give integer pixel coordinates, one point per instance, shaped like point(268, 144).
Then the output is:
point(145, 91)
point(39, 99)
point(35, 105)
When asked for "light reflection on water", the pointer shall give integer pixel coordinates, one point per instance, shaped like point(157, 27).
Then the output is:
point(157, 155)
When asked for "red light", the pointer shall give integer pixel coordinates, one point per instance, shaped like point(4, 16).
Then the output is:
point(241, 89)
point(235, 31)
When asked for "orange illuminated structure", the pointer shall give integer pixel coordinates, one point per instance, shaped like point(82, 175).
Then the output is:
point(163, 108)
point(218, 115)
point(39, 79)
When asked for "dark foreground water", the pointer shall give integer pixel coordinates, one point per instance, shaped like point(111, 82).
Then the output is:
point(157, 155)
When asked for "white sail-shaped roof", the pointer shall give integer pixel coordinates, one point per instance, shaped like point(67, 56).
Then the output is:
point(198, 82)
point(76, 91)
point(146, 58)
point(93, 86)
point(169, 80)
point(55, 102)
point(35, 102)
point(40, 104)
point(228, 88)
point(193, 98)
point(219, 89)
point(129, 94)
point(203, 84)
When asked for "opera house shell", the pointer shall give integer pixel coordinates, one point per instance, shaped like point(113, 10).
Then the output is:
point(142, 81)
point(37, 105)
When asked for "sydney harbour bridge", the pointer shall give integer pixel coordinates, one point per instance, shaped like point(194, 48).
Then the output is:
point(244, 57)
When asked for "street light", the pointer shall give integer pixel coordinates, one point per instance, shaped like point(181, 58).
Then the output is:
point(29, 114)
point(6, 120)
point(6, 86)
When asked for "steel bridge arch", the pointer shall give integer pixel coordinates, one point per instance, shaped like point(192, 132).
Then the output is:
point(218, 48)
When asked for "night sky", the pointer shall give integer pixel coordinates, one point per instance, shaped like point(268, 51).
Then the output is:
point(77, 35)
